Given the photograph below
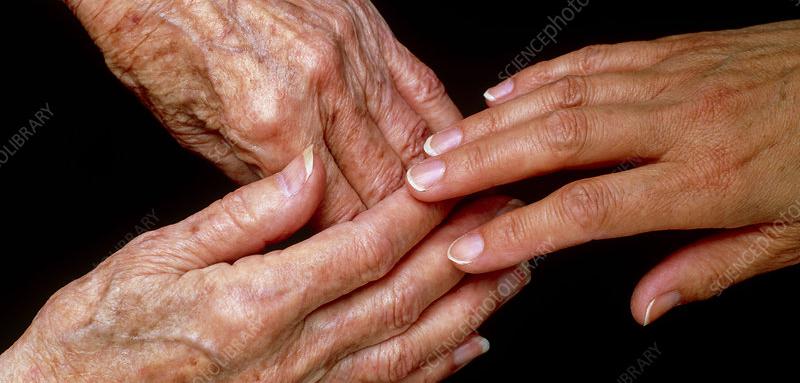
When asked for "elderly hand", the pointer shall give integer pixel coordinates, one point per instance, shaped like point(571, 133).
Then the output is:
point(249, 83)
point(706, 126)
point(190, 303)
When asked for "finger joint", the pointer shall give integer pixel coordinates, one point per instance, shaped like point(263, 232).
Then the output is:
point(586, 205)
point(565, 133)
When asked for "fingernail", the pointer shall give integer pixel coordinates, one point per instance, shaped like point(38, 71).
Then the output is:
point(466, 249)
point(295, 175)
point(443, 142)
point(500, 90)
point(474, 348)
point(308, 159)
point(660, 305)
point(512, 205)
point(425, 174)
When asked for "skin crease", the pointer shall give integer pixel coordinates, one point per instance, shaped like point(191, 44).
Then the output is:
point(248, 84)
point(705, 125)
point(364, 301)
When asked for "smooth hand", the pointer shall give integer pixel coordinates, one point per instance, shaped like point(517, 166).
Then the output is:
point(364, 301)
point(705, 127)
point(249, 84)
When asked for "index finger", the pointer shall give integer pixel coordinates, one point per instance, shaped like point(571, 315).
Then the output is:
point(564, 139)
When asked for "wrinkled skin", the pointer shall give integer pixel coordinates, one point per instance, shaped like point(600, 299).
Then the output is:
point(706, 128)
point(249, 83)
point(370, 300)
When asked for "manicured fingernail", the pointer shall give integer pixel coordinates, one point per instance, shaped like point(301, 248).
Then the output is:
point(443, 142)
point(660, 305)
point(425, 174)
point(466, 249)
point(500, 90)
point(474, 348)
point(512, 205)
point(295, 175)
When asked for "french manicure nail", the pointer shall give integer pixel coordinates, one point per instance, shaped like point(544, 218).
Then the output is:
point(295, 175)
point(500, 90)
point(466, 249)
point(474, 348)
point(425, 174)
point(512, 205)
point(443, 142)
point(661, 305)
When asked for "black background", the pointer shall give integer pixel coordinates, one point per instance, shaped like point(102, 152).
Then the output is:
point(102, 163)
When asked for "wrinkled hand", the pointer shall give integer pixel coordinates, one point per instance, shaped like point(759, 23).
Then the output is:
point(190, 303)
point(249, 83)
point(706, 128)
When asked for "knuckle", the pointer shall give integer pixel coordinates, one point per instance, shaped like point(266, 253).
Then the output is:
point(427, 89)
point(411, 146)
point(492, 121)
point(373, 253)
point(239, 211)
point(478, 158)
point(591, 58)
point(586, 205)
point(321, 56)
point(535, 76)
point(570, 91)
point(517, 229)
point(403, 307)
point(254, 125)
point(565, 133)
point(398, 360)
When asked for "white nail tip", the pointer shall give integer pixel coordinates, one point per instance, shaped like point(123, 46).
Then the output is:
point(308, 158)
point(428, 149)
point(489, 96)
point(413, 184)
point(647, 312)
point(450, 256)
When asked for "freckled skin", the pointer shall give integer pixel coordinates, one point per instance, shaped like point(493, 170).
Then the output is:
point(249, 84)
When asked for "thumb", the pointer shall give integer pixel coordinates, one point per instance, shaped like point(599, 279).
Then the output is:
point(706, 268)
point(421, 89)
point(247, 220)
